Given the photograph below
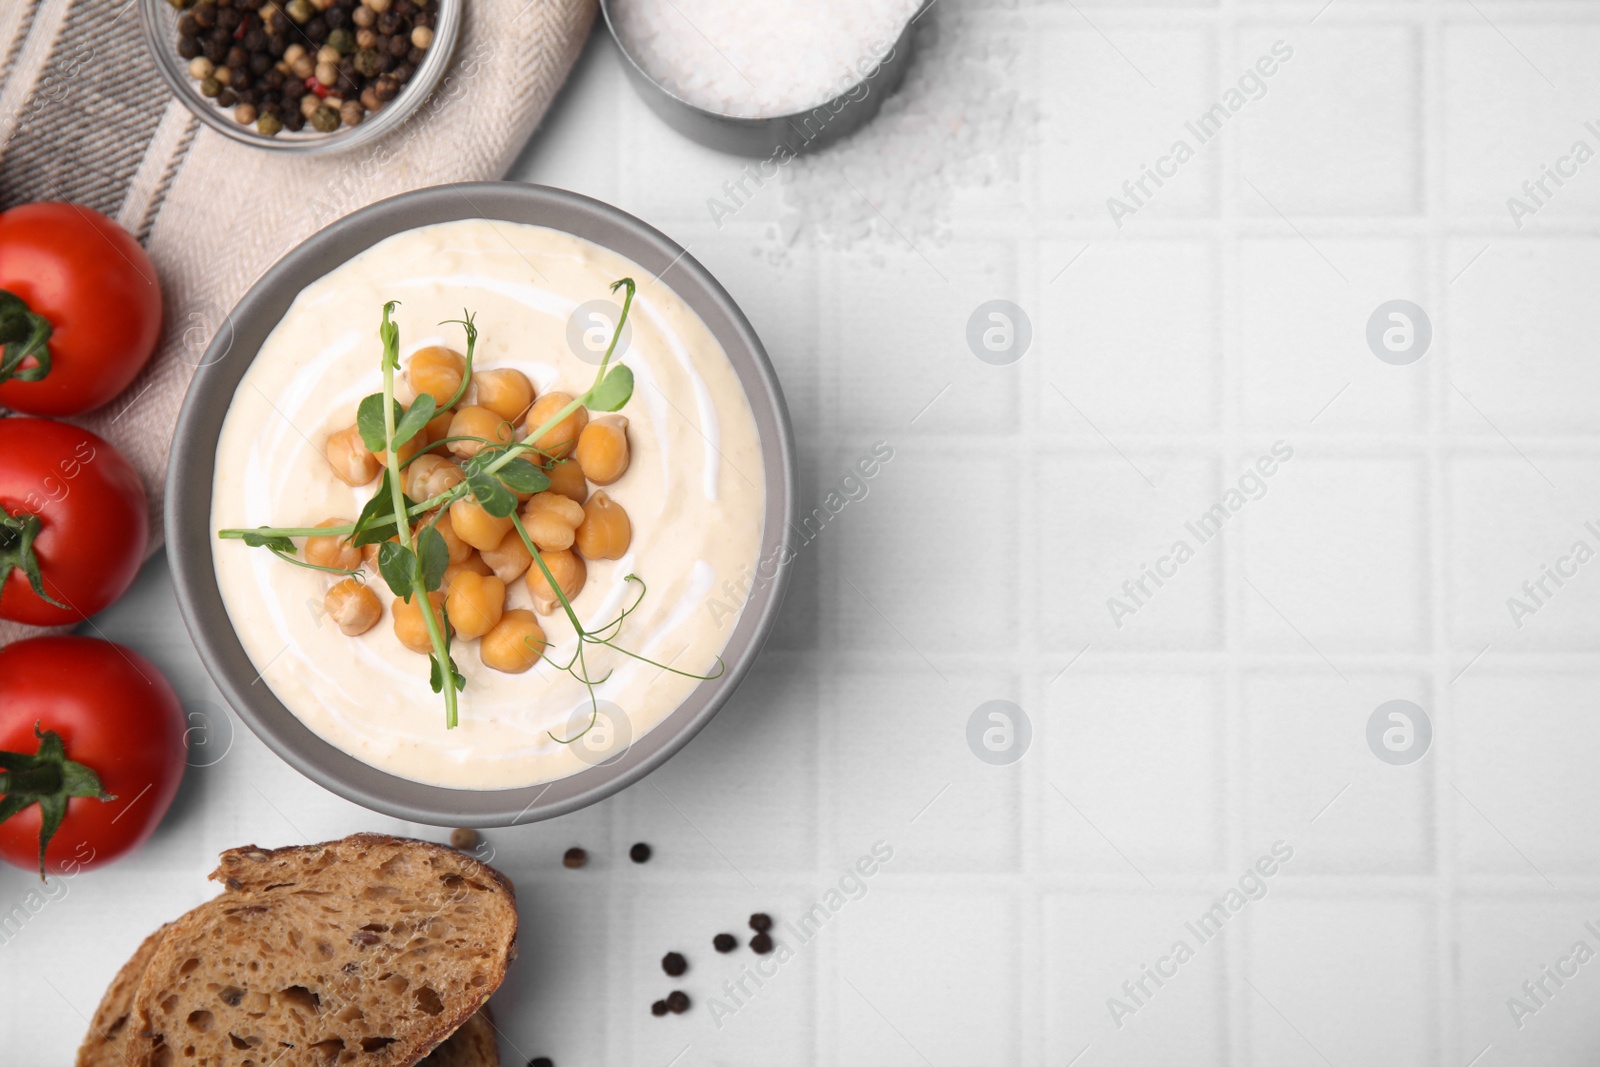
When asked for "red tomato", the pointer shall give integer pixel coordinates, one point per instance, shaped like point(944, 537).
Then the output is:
point(89, 279)
point(115, 714)
point(73, 507)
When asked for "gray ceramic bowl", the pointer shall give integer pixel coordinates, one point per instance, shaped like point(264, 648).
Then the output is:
point(188, 504)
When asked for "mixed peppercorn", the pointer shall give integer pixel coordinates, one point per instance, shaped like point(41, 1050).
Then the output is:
point(326, 63)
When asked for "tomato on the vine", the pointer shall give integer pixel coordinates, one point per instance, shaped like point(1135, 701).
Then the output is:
point(80, 309)
point(92, 748)
point(73, 522)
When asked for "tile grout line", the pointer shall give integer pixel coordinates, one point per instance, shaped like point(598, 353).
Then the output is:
point(1435, 244)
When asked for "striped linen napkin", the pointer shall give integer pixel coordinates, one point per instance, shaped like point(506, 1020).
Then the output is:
point(84, 116)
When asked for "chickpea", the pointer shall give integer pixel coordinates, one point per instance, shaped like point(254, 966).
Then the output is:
point(407, 450)
point(570, 573)
point(437, 371)
point(475, 526)
point(352, 462)
point(438, 428)
point(369, 552)
point(606, 531)
point(473, 564)
point(559, 439)
point(334, 551)
point(602, 449)
point(477, 422)
point(515, 644)
point(551, 520)
point(566, 478)
point(459, 549)
point(409, 626)
point(475, 603)
point(507, 393)
point(430, 475)
point(508, 559)
point(353, 607)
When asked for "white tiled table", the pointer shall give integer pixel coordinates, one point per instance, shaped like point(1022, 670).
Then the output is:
point(1226, 714)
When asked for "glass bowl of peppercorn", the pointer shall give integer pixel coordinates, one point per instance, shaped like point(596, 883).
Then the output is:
point(302, 75)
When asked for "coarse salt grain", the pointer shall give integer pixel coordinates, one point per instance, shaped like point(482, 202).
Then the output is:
point(761, 60)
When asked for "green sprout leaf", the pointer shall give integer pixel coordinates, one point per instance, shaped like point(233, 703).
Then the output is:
point(493, 497)
point(520, 476)
point(416, 417)
point(612, 391)
point(261, 539)
point(436, 680)
point(434, 556)
point(389, 334)
point(369, 421)
point(376, 522)
point(398, 565)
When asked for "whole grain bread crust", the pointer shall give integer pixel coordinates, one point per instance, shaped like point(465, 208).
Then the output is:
point(251, 870)
point(108, 1031)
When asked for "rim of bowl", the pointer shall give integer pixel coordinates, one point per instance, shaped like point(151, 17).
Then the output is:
point(159, 37)
point(189, 492)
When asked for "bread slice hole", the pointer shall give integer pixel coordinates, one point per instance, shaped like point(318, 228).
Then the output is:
point(428, 1001)
point(201, 1021)
point(329, 1049)
point(300, 997)
point(376, 1044)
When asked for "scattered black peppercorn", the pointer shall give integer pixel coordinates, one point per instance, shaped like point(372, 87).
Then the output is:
point(639, 853)
point(463, 838)
point(674, 964)
point(677, 1002)
point(724, 942)
point(760, 922)
point(658, 1008)
point(761, 944)
point(574, 858)
point(540, 1061)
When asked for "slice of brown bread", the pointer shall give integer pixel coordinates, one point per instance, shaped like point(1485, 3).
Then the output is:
point(474, 1045)
point(368, 950)
point(105, 1044)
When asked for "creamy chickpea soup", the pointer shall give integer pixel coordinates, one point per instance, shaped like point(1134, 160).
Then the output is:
point(669, 488)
